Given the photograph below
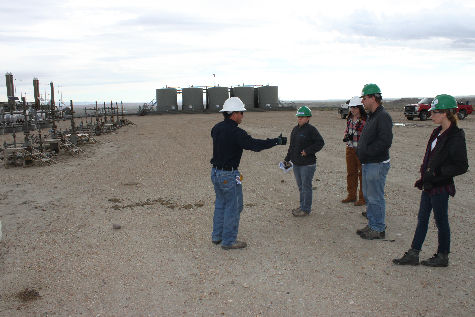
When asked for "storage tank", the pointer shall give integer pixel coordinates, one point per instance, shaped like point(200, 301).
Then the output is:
point(217, 96)
point(166, 99)
point(268, 97)
point(9, 82)
point(192, 98)
point(246, 94)
point(36, 92)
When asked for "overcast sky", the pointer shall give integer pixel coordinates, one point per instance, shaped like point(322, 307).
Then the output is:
point(124, 50)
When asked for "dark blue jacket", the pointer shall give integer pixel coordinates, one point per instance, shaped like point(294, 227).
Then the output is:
point(229, 141)
point(376, 137)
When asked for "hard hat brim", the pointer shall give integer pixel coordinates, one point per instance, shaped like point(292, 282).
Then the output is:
point(243, 109)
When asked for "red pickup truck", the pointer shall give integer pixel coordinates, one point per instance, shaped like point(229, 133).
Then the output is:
point(421, 110)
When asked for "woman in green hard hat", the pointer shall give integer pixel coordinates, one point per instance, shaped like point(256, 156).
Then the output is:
point(305, 141)
point(445, 157)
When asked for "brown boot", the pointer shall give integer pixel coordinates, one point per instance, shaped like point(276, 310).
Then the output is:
point(348, 200)
point(299, 213)
point(237, 245)
point(360, 202)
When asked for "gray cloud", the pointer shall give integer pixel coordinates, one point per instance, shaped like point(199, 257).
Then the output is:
point(174, 21)
point(27, 12)
point(449, 22)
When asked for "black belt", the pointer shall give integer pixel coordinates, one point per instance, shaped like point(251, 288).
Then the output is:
point(229, 169)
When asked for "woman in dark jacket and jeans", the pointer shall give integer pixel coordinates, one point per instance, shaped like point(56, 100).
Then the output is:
point(445, 157)
point(305, 141)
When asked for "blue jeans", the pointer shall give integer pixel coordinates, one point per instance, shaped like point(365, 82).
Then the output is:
point(374, 179)
point(227, 207)
point(440, 205)
point(304, 176)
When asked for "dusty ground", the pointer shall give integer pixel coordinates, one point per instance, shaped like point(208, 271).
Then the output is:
point(61, 256)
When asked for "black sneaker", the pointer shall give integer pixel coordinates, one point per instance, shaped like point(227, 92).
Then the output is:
point(360, 231)
point(438, 260)
point(411, 257)
point(365, 214)
point(373, 234)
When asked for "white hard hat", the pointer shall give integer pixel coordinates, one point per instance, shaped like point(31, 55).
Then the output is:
point(233, 104)
point(355, 101)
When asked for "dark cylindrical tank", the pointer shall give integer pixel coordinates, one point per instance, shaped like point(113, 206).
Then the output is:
point(217, 96)
point(36, 92)
point(246, 94)
point(10, 88)
point(268, 97)
point(52, 95)
point(192, 98)
point(166, 99)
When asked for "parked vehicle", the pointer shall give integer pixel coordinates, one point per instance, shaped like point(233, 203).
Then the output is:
point(421, 110)
point(344, 110)
point(464, 109)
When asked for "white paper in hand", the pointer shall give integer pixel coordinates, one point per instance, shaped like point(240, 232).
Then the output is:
point(286, 168)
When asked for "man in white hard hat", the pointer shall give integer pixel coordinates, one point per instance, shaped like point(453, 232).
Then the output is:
point(229, 141)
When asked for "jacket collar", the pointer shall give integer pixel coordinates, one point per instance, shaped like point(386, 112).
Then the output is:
point(454, 130)
point(379, 108)
point(231, 121)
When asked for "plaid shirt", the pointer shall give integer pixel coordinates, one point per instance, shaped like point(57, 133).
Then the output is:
point(355, 128)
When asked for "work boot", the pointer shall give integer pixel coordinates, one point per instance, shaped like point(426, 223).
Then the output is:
point(438, 260)
point(216, 241)
point(411, 257)
point(299, 213)
point(360, 231)
point(360, 202)
point(373, 234)
point(348, 199)
point(237, 245)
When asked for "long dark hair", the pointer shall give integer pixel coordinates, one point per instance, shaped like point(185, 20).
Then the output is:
point(362, 112)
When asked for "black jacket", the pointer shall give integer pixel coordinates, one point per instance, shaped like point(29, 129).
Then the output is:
point(448, 160)
point(229, 141)
point(305, 137)
point(376, 137)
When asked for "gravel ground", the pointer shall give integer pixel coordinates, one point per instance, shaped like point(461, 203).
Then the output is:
point(60, 254)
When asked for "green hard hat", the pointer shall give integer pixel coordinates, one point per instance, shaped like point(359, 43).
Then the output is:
point(370, 89)
point(443, 101)
point(304, 112)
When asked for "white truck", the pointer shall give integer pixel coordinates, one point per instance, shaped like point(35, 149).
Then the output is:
point(344, 110)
